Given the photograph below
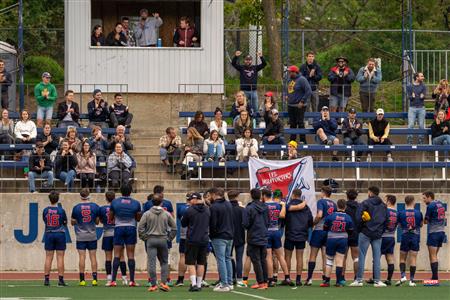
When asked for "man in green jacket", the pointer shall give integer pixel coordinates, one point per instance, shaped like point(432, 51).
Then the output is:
point(46, 95)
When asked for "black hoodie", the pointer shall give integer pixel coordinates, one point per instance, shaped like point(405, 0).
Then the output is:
point(256, 221)
point(298, 222)
point(196, 219)
point(221, 221)
point(351, 210)
point(239, 231)
point(377, 210)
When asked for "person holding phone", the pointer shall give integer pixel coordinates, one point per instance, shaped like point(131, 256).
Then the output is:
point(147, 28)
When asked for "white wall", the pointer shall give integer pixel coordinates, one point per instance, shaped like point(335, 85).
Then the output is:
point(145, 70)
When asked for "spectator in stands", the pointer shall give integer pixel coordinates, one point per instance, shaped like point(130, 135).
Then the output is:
point(199, 124)
point(116, 37)
point(352, 132)
point(5, 83)
point(299, 93)
point(440, 130)
point(249, 77)
point(185, 35)
point(219, 124)
point(68, 111)
point(325, 128)
point(341, 78)
point(242, 122)
point(6, 128)
point(441, 94)
point(416, 94)
point(246, 146)
point(147, 29)
point(369, 77)
point(98, 110)
point(119, 167)
point(86, 167)
point(267, 106)
point(72, 139)
point(48, 139)
point(193, 147)
point(127, 32)
point(170, 148)
point(292, 151)
point(119, 113)
point(274, 132)
point(312, 72)
point(122, 138)
point(97, 37)
point(379, 134)
point(65, 165)
point(213, 147)
point(40, 165)
point(25, 130)
point(99, 146)
point(46, 95)
point(240, 105)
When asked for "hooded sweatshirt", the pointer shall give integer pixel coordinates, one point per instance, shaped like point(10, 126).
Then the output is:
point(221, 222)
point(239, 231)
point(377, 210)
point(298, 222)
point(351, 210)
point(45, 101)
point(196, 219)
point(155, 223)
point(256, 221)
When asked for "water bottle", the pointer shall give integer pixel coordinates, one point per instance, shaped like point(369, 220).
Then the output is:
point(159, 43)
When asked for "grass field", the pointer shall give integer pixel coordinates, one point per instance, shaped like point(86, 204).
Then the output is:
point(35, 290)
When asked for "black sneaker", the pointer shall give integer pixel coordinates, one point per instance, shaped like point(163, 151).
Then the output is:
point(388, 282)
point(272, 284)
point(62, 283)
point(287, 282)
point(194, 289)
point(47, 283)
point(298, 283)
point(370, 281)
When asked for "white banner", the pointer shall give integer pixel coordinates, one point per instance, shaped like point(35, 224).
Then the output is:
point(285, 175)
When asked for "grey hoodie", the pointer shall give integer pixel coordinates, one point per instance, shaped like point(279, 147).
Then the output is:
point(156, 223)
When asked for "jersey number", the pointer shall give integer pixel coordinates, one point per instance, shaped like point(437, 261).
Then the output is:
point(411, 221)
point(86, 214)
point(330, 210)
point(274, 215)
point(108, 221)
point(338, 226)
point(441, 213)
point(52, 220)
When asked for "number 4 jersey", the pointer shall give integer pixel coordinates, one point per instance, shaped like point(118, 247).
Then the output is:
point(55, 219)
point(85, 215)
point(327, 207)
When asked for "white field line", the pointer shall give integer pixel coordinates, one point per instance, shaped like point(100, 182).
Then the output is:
point(251, 295)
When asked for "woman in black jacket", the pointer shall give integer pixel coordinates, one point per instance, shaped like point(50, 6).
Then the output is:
point(97, 38)
point(116, 37)
point(65, 164)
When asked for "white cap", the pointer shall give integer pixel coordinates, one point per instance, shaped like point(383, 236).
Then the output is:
point(380, 111)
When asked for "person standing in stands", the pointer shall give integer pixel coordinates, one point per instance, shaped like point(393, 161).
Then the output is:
point(147, 29)
point(249, 76)
point(369, 78)
point(68, 111)
point(98, 110)
point(5, 83)
point(119, 113)
point(312, 72)
point(379, 134)
point(416, 94)
point(46, 95)
point(299, 93)
point(185, 35)
point(97, 37)
point(341, 78)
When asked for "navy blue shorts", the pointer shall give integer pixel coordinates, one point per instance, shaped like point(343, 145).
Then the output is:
point(169, 244)
point(182, 246)
point(353, 240)
point(410, 242)
point(274, 240)
point(125, 235)
point(290, 245)
point(436, 239)
point(337, 245)
point(55, 241)
point(318, 238)
point(108, 243)
point(210, 248)
point(91, 245)
point(387, 245)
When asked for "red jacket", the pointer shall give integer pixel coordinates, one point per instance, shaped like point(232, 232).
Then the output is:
point(184, 35)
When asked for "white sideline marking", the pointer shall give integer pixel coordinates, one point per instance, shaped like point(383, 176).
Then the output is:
point(251, 295)
point(21, 285)
point(36, 298)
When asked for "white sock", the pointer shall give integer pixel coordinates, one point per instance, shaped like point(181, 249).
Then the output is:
point(109, 277)
point(199, 281)
point(193, 281)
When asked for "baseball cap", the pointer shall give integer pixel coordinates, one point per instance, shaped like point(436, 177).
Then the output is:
point(195, 196)
point(274, 111)
point(380, 111)
point(268, 94)
point(352, 110)
point(293, 69)
point(324, 108)
point(293, 144)
point(47, 75)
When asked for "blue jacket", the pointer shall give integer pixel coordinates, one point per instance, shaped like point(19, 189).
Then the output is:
point(256, 221)
point(368, 85)
point(298, 90)
point(196, 219)
point(248, 75)
point(377, 210)
point(221, 221)
point(416, 101)
point(298, 222)
point(305, 69)
point(328, 126)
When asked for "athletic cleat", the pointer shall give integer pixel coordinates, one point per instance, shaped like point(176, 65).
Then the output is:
point(388, 282)
point(342, 283)
point(241, 284)
point(263, 286)
point(164, 287)
point(255, 286)
point(47, 283)
point(82, 283)
point(286, 282)
point(231, 287)
point(152, 288)
point(297, 283)
point(412, 283)
point(370, 281)
point(379, 284)
point(113, 284)
point(272, 284)
point(325, 284)
point(94, 282)
point(62, 283)
point(108, 283)
point(339, 285)
point(205, 284)
point(124, 280)
point(308, 282)
point(179, 283)
point(220, 288)
point(133, 284)
point(169, 283)
point(194, 288)
point(357, 283)
point(401, 281)
point(149, 284)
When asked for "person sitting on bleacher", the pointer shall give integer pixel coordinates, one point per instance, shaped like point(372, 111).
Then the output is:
point(219, 124)
point(48, 139)
point(170, 148)
point(193, 148)
point(119, 167)
point(240, 105)
point(65, 165)
point(325, 128)
point(122, 138)
point(119, 113)
point(352, 131)
point(73, 140)
point(241, 124)
point(213, 147)
point(274, 132)
point(40, 165)
point(68, 111)
point(267, 106)
point(25, 130)
point(379, 134)
point(98, 110)
point(441, 94)
point(86, 167)
point(99, 146)
point(199, 124)
point(440, 130)
point(246, 146)
point(6, 129)
point(292, 151)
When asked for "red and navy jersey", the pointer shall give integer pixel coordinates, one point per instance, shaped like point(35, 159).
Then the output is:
point(55, 219)
point(108, 225)
point(274, 209)
point(85, 214)
point(338, 225)
point(392, 217)
point(327, 207)
point(435, 217)
point(125, 210)
point(166, 205)
point(410, 220)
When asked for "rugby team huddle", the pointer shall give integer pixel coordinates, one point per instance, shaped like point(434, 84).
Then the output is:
point(225, 227)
